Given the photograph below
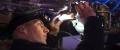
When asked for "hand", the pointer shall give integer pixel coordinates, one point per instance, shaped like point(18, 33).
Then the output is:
point(85, 10)
point(55, 25)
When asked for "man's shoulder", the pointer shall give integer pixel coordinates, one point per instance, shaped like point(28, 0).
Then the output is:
point(21, 44)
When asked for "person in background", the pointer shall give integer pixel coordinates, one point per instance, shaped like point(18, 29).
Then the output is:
point(93, 38)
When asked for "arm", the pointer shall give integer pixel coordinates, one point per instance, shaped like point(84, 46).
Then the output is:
point(54, 38)
point(93, 33)
point(55, 26)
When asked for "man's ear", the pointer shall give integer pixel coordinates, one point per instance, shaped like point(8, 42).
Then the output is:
point(24, 30)
point(21, 29)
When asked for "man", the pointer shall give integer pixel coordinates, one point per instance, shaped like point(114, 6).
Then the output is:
point(29, 29)
point(93, 31)
point(29, 32)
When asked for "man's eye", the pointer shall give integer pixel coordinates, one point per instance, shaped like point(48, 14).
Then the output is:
point(42, 25)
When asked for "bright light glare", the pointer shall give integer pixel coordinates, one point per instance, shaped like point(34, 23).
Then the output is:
point(65, 17)
point(65, 8)
point(79, 26)
point(82, 1)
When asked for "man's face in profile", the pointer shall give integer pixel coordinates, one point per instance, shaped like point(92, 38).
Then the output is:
point(37, 31)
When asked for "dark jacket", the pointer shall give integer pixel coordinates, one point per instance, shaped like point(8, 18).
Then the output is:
point(20, 44)
point(93, 35)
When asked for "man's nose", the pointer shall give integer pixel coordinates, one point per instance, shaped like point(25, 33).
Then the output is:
point(46, 30)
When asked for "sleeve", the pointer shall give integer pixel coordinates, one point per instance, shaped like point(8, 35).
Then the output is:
point(53, 41)
point(93, 35)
